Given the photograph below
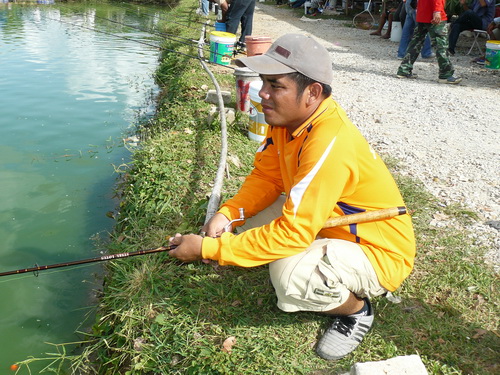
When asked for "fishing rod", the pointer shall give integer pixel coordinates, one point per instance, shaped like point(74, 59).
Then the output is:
point(138, 41)
point(166, 18)
point(173, 37)
point(103, 258)
point(362, 217)
point(165, 35)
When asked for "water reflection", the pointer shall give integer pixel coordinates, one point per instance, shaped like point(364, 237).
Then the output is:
point(69, 94)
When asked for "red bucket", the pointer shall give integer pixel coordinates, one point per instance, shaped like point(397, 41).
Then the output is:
point(257, 45)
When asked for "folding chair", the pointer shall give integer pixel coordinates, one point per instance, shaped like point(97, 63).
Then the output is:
point(307, 5)
point(478, 32)
point(475, 43)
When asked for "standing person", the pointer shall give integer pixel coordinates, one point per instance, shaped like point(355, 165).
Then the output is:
point(203, 9)
point(409, 26)
point(431, 18)
point(325, 168)
point(240, 12)
point(479, 16)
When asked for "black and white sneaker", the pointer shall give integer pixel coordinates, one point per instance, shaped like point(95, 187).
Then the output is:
point(240, 47)
point(345, 334)
point(451, 80)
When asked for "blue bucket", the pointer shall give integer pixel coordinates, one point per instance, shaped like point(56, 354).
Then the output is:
point(220, 26)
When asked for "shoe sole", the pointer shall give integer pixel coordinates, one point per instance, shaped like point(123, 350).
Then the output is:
point(455, 82)
point(412, 76)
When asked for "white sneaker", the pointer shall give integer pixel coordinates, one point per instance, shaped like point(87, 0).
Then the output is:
point(344, 335)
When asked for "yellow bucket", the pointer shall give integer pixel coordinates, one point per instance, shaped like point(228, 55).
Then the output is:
point(258, 127)
point(221, 47)
point(492, 58)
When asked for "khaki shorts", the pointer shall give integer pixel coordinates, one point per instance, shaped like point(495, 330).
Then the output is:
point(322, 277)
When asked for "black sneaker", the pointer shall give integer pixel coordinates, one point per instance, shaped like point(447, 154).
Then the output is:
point(344, 335)
point(240, 47)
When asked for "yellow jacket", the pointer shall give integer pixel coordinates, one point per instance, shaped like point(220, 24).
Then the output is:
point(326, 169)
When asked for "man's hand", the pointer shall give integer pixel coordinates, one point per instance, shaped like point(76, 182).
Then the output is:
point(436, 18)
point(188, 247)
point(215, 226)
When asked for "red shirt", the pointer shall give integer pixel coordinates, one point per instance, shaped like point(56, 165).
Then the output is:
point(426, 8)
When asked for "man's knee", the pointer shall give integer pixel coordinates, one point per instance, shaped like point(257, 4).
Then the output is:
point(319, 280)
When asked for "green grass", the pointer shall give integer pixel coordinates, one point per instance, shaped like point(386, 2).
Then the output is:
point(157, 316)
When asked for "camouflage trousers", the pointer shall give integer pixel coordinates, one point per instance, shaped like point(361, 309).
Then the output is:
point(439, 39)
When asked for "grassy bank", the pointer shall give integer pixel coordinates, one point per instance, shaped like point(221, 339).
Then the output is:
point(157, 316)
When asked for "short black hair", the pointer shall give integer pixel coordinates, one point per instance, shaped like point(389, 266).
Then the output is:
point(302, 82)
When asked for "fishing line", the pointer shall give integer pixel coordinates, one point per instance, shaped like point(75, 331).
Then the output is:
point(171, 37)
point(164, 18)
point(45, 273)
point(136, 41)
point(166, 35)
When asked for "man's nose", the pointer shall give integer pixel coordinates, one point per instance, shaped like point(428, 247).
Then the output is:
point(263, 93)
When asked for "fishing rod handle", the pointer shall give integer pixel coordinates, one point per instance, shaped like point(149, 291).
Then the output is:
point(364, 217)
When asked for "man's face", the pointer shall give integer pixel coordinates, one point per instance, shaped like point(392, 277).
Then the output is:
point(281, 104)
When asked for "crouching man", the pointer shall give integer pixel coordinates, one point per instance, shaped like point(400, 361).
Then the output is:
point(313, 165)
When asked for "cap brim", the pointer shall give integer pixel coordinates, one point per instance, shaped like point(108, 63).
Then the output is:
point(264, 64)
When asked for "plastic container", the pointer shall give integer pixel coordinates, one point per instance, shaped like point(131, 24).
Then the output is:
point(492, 57)
point(257, 45)
point(220, 26)
point(243, 77)
point(396, 31)
point(221, 47)
point(257, 127)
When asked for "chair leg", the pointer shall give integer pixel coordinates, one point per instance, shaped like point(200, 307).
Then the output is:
point(474, 43)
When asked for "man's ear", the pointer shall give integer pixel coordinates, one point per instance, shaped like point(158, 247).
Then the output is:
point(315, 93)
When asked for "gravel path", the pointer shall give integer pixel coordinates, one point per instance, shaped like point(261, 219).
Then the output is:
point(447, 136)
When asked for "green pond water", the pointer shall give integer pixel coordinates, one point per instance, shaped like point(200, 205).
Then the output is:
point(69, 96)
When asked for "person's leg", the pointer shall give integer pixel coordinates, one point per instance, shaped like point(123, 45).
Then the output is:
point(234, 14)
point(247, 21)
point(496, 34)
point(406, 35)
point(395, 16)
point(439, 36)
point(467, 20)
point(381, 23)
point(427, 48)
point(387, 34)
point(204, 7)
point(401, 15)
point(333, 277)
point(413, 50)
